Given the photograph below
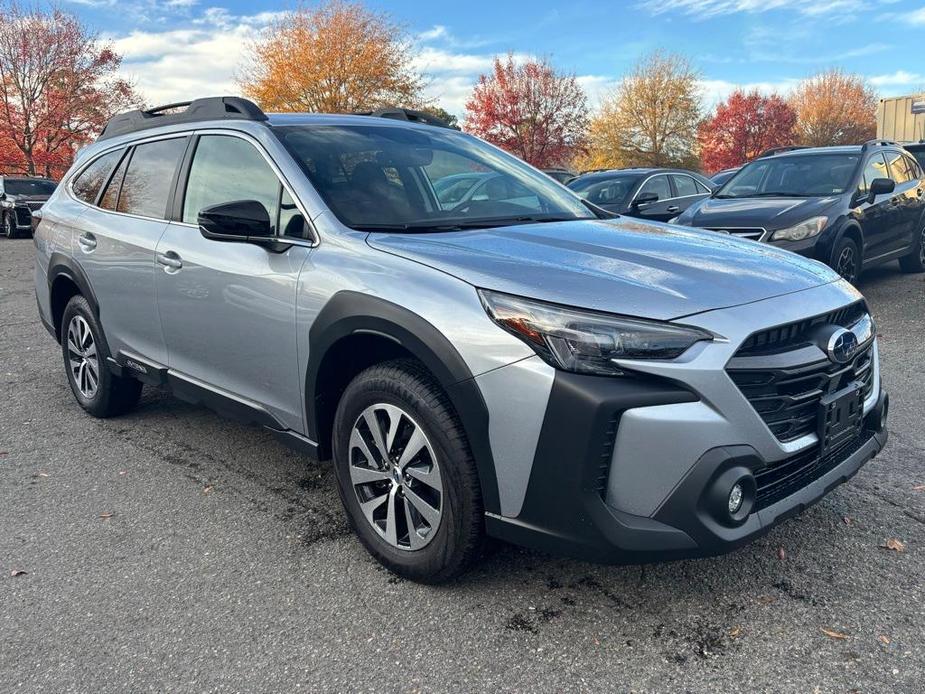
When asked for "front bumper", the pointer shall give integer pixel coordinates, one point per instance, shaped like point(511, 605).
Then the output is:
point(639, 468)
point(565, 511)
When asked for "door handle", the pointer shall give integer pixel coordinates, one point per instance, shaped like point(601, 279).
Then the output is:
point(170, 260)
point(87, 241)
point(673, 208)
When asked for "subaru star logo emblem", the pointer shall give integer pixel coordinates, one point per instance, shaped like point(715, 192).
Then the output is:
point(843, 344)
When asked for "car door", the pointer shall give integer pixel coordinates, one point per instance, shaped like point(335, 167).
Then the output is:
point(660, 210)
point(228, 308)
point(687, 190)
point(879, 218)
point(907, 197)
point(116, 241)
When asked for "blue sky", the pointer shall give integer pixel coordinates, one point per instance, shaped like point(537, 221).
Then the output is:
point(179, 49)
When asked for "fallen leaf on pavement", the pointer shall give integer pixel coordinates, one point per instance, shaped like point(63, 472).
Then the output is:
point(207, 489)
point(884, 639)
point(919, 488)
point(123, 472)
point(847, 521)
point(736, 632)
point(834, 634)
point(766, 599)
point(781, 553)
point(18, 572)
point(894, 544)
point(106, 515)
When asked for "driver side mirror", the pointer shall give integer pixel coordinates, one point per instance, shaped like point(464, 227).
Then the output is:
point(880, 186)
point(245, 221)
point(645, 199)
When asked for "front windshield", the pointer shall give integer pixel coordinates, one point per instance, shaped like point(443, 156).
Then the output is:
point(792, 176)
point(28, 186)
point(607, 191)
point(388, 178)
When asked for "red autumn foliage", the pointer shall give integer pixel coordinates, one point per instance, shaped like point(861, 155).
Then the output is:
point(529, 110)
point(58, 87)
point(742, 127)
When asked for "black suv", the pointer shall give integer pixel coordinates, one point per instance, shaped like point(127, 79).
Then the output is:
point(655, 194)
point(850, 207)
point(20, 196)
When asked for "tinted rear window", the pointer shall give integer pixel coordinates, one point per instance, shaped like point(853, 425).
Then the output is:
point(28, 186)
point(150, 173)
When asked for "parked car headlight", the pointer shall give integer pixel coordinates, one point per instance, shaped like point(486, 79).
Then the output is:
point(803, 230)
point(673, 220)
point(583, 341)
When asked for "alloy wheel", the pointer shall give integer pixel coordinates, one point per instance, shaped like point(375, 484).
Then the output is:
point(82, 357)
point(847, 265)
point(396, 477)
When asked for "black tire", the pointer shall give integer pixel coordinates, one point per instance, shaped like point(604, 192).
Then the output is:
point(459, 537)
point(915, 261)
point(9, 228)
point(113, 395)
point(847, 260)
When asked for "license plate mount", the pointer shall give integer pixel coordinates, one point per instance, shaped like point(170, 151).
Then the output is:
point(840, 417)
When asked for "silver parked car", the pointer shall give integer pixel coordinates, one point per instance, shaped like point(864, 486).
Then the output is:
point(523, 368)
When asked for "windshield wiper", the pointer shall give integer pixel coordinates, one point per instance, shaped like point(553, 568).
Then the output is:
point(463, 225)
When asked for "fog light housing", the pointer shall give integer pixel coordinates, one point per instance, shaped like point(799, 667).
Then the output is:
point(736, 497)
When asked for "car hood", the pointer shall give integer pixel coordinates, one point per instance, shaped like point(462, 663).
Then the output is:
point(621, 266)
point(769, 213)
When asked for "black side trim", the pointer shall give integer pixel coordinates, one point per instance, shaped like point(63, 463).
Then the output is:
point(142, 369)
point(564, 502)
point(225, 404)
point(352, 312)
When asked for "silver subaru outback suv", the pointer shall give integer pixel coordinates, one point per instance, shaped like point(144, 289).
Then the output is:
point(479, 352)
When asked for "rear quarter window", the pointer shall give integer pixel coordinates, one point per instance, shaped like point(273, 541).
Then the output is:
point(86, 185)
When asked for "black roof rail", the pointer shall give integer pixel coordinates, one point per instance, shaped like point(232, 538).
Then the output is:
point(877, 143)
point(407, 114)
point(209, 108)
point(780, 150)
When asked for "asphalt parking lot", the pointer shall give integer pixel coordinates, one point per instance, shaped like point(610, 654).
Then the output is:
point(171, 550)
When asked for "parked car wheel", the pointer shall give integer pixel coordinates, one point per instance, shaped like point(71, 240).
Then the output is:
point(915, 261)
point(9, 228)
point(405, 473)
point(97, 389)
point(847, 259)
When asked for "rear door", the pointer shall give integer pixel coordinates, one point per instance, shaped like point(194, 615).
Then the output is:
point(662, 209)
point(881, 217)
point(116, 241)
point(907, 197)
point(228, 308)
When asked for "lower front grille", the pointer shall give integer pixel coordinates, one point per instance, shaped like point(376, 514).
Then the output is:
point(781, 479)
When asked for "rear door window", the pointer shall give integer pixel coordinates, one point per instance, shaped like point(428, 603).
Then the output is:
point(111, 195)
point(685, 186)
point(149, 177)
point(899, 168)
point(87, 184)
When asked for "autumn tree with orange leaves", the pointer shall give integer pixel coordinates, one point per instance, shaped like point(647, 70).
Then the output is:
point(834, 108)
point(332, 58)
point(58, 87)
point(530, 110)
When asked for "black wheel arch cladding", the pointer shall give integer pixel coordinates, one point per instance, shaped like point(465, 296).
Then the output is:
point(348, 313)
point(61, 266)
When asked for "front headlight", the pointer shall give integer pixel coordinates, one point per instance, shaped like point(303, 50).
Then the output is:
point(587, 341)
point(803, 230)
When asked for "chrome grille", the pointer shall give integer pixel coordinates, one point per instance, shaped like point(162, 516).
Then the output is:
point(755, 233)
